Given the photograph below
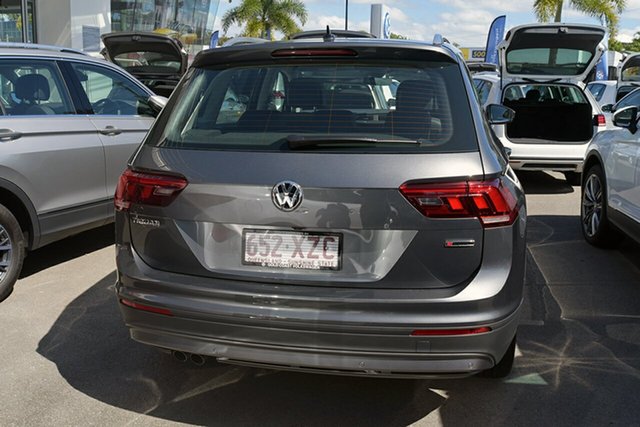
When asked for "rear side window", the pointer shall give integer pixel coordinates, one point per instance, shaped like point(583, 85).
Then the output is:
point(32, 87)
point(403, 108)
point(597, 90)
point(631, 100)
point(483, 88)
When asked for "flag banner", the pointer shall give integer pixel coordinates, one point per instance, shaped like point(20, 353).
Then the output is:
point(495, 36)
point(602, 67)
point(214, 39)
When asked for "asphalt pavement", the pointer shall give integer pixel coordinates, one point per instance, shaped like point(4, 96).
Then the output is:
point(66, 358)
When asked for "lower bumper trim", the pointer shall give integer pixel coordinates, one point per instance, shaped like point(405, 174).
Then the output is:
point(378, 364)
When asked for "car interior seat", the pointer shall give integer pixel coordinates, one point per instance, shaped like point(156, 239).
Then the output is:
point(31, 89)
point(304, 94)
point(411, 118)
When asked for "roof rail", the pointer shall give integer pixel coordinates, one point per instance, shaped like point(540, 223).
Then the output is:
point(62, 49)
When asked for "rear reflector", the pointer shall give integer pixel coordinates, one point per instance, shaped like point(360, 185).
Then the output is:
point(441, 332)
point(313, 52)
point(148, 308)
point(599, 120)
point(489, 201)
point(147, 189)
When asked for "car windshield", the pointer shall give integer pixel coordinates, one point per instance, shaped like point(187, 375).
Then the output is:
point(265, 107)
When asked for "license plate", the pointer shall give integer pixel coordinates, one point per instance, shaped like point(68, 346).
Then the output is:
point(292, 249)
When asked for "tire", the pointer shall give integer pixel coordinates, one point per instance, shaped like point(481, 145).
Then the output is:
point(12, 251)
point(573, 178)
point(503, 367)
point(595, 225)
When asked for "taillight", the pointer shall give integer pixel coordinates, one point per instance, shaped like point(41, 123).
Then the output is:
point(144, 307)
point(147, 189)
point(489, 201)
point(599, 120)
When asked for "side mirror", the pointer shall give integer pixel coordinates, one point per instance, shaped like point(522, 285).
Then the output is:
point(157, 103)
point(608, 108)
point(627, 118)
point(499, 114)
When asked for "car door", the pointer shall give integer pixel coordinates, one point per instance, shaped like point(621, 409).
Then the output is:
point(51, 153)
point(623, 172)
point(121, 114)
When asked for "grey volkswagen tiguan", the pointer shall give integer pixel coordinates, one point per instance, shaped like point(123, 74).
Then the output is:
point(325, 206)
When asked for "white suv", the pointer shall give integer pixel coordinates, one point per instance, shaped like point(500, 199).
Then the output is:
point(543, 67)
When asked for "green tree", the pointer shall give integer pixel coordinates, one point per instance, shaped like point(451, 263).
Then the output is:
point(607, 11)
point(262, 17)
point(398, 36)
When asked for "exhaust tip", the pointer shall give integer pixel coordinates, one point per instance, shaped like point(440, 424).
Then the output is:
point(198, 360)
point(179, 356)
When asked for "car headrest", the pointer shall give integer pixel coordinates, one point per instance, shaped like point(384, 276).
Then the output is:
point(533, 95)
point(32, 87)
point(413, 94)
point(304, 93)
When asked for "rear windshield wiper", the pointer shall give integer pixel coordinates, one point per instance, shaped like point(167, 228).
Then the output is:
point(298, 141)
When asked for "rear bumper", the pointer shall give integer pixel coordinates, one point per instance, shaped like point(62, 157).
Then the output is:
point(422, 357)
point(552, 155)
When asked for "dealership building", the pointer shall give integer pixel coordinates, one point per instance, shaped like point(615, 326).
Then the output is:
point(78, 24)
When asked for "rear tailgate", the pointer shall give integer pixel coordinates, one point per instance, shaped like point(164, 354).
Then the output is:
point(383, 241)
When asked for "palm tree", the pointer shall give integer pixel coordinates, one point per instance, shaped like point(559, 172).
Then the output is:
point(607, 11)
point(261, 17)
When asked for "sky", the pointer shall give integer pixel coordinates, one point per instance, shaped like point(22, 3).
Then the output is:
point(465, 22)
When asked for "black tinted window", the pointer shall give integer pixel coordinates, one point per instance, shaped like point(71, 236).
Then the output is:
point(258, 108)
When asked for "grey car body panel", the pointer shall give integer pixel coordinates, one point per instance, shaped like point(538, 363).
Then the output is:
point(223, 194)
point(227, 318)
point(346, 322)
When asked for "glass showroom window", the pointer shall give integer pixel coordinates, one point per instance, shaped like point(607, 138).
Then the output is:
point(190, 21)
point(13, 21)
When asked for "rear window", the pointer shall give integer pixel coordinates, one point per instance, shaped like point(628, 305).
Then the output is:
point(548, 61)
point(355, 106)
point(148, 61)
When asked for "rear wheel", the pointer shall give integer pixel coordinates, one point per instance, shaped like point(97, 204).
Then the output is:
point(503, 367)
point(11, 251)
point(593, 213)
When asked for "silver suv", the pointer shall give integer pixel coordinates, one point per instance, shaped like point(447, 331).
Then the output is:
point(68, 124)
point(343, 229)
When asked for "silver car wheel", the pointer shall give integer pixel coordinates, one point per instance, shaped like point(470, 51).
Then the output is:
point(592, 198)
point(6, 249)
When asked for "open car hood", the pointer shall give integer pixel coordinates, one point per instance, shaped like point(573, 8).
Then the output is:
point(146, 54)
point(551, 52)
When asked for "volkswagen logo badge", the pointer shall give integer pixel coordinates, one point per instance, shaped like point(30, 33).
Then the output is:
point(286, 195)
